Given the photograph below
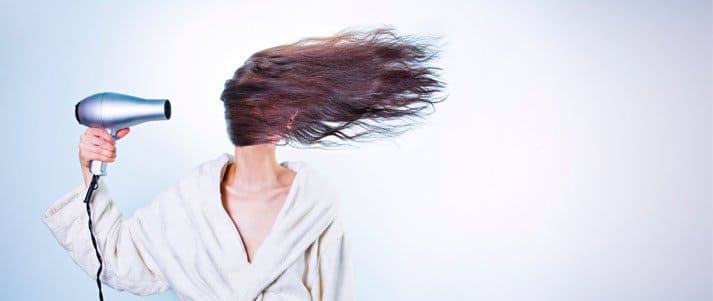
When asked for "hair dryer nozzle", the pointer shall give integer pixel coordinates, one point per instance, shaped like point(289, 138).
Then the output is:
point(76, 112)
point(167, 109)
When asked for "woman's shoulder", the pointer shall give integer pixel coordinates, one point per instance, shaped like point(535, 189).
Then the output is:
point(333, 235)
point(199, 179)
point(318, 180)
point(208, 169)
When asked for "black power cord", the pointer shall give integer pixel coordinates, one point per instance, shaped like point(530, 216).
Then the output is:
point(93, 186)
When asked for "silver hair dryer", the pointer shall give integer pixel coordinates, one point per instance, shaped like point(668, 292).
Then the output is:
point(114, 111)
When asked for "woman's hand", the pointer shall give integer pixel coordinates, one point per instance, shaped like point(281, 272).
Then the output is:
point(97, 144)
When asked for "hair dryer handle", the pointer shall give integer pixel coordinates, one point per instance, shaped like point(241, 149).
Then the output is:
point(99, 167)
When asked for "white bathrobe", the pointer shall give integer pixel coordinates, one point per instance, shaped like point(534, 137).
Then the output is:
point(185, 240)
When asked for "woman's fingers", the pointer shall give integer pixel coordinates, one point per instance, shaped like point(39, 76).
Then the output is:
point(94, 140)
point(86, 158)
point(91, 151)
point(101, 133)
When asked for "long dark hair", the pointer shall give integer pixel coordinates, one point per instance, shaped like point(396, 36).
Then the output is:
point(355, 85)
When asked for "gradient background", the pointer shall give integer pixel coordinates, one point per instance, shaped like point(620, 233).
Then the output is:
point(572, 160)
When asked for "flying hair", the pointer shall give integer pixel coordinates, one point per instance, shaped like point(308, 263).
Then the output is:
point(354, 86)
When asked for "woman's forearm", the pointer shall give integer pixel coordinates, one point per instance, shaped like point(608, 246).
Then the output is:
point(87, 176)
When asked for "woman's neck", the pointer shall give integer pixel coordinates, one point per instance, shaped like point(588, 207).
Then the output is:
point(253, 167)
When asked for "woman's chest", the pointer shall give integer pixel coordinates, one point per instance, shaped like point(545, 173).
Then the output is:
point(253, 220)
point(206, 264)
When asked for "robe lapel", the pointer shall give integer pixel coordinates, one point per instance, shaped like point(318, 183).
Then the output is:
point(304, 219)
point(306, 213)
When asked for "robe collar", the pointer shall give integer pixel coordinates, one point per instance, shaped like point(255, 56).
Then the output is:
point(307, 211)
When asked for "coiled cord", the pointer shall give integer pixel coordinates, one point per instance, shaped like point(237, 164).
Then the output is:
point(93, 186)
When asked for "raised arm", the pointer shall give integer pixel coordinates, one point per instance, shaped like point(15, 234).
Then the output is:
point(124, 244)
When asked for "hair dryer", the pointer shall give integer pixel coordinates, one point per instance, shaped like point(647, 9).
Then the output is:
point(114, 111)
point(111, 112)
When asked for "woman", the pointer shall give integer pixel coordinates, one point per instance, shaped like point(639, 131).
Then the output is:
point(242, 226)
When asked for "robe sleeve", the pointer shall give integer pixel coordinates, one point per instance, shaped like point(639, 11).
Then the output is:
point(335, 272)
point(123, 243)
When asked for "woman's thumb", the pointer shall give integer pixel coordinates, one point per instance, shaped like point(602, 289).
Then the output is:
point(121, 133)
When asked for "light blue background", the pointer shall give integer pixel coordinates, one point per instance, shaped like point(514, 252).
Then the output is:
point(572, 160)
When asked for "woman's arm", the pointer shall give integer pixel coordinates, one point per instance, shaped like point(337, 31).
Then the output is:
point(123, 243)
point(335, 274)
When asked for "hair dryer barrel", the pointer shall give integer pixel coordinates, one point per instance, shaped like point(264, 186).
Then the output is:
point(114, 111)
